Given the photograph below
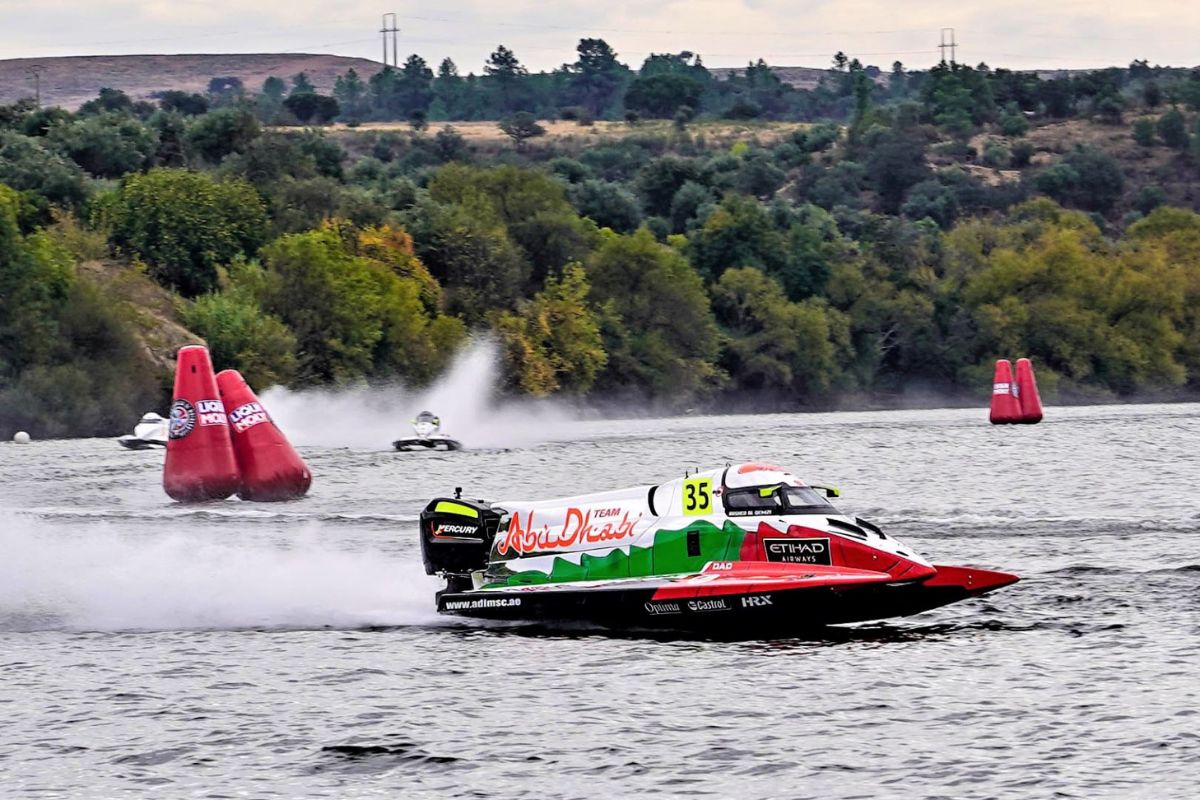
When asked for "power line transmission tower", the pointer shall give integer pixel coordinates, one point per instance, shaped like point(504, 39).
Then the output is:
point(36, 71)
point(389, 26)
point(948, 44)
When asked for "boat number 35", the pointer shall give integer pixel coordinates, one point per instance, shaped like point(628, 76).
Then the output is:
point(697, 496)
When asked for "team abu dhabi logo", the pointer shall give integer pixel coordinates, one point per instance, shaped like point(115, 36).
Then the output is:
point(798, 551)
point(182, 419)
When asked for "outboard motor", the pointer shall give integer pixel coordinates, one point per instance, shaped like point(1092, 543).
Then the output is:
point(456, 538)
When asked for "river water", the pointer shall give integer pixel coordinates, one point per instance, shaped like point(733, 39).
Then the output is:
point(149, 649)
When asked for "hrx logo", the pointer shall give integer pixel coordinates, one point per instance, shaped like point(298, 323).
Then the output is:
point(757, 601)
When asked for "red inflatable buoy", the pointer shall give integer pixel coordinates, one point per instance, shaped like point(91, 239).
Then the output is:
point(1006, 409)
point(271, 468)
point(1027, 392)
point(200, 464)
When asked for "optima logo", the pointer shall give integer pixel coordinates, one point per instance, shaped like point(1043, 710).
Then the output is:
point(798, 551)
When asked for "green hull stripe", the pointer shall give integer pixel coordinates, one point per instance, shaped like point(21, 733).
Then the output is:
point(668, 555)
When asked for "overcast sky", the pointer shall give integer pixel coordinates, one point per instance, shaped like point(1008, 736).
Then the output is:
point(1021, 34)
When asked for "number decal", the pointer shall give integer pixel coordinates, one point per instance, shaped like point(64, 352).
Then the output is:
point(697, 496)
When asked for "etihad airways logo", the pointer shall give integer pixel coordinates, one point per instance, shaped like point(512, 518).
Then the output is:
point(798, 551)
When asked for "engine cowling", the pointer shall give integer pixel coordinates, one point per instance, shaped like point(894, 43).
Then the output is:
point(456, 535)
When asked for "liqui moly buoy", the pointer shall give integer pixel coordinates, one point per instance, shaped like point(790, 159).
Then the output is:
point(1027, 392)
point(200, 464)
point(271, 469)
point(1006, 408)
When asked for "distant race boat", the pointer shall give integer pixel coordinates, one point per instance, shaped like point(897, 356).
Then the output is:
point(151, 431)
point(428, 435)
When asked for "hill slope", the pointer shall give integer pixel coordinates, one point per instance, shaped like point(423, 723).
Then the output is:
point(72, 80)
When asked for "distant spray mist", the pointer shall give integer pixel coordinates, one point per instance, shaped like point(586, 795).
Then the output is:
point(373, 416)
point(65, 578)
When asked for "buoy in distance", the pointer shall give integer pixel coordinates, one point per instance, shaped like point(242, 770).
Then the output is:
point(271, 469)
point(21, 437)
point(1027, 393)
point(200, 464)
point(1006, 408)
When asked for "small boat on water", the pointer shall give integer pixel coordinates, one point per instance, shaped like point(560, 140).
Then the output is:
point(747, 548)
point(427, 435)
point(151, 431)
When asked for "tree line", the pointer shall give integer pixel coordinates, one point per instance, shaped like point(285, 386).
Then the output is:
point(866, 255)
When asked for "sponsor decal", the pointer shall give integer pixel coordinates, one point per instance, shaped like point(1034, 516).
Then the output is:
point(697, 496)
point(210, 412)
point(483, 602)
point(757, 601)
point(721, 566)
point(245, 417)
point(1001, 388)
point(580, 528)
point(716, 604)
point(183, 419)
point(662, 608)
point(454, 531)
point(798, 551)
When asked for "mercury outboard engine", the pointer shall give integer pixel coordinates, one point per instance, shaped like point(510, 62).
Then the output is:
point(456, 538)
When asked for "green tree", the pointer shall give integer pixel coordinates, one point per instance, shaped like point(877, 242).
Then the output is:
point(351, 93)
point(554, 342)
point(186, 224)
point(28, 165)
point(738, 233)
point(774, 346)
point(662, 96)
point(1173, 130)
point(505, 74)
point(221, 132)
point(351, 312)
point(241, 336)
point(1143, 131)
point(609, 205)
point(107, 145)
point(657, 325)
point(521, 127)
point(596, 76)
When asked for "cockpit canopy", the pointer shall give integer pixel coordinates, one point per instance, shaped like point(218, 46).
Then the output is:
point(765, 489)
point(426, 423)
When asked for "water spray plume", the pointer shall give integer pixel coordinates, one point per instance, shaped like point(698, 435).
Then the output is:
point(96, 578)
point(372, 416)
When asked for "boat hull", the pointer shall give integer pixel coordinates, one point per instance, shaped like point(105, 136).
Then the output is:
point(743, 604)
point(432, 443)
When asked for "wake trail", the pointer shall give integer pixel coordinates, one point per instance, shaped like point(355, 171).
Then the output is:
point(99, 579)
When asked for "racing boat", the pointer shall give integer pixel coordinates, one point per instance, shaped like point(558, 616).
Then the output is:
point(428, 435)
point(747, 547)
point(151, 431)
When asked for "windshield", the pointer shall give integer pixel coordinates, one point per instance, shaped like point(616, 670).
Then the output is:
point(765, 500)
point(802, 498)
